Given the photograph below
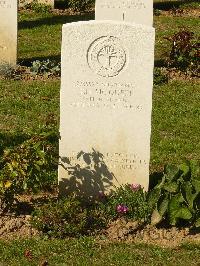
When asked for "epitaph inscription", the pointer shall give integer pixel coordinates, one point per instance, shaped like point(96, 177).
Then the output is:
point(113, 161)
point(104, 95)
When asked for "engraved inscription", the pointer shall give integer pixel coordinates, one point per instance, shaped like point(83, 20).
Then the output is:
point(4, 4)
point(132, 4)
point(114, 160)
point(105, 95)
point(106, 57)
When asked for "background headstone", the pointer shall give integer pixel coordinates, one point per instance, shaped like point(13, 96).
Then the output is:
point(137, 11)
point(8, 32)
point(106, 101)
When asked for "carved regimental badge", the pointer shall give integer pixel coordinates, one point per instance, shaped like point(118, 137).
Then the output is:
point(106, 57)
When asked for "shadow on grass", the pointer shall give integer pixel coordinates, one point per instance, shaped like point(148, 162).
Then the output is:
point(10, 140)
point(167, 5)
point(54, 20)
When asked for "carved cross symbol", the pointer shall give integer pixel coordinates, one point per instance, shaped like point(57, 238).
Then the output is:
point(108, 52)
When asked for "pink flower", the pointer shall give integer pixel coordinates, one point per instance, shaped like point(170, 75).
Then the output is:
point(122, 208)
point(135, 187)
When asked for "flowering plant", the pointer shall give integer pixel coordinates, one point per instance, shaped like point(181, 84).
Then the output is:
point(128, 200)
point(135, 187)
point(122, 208)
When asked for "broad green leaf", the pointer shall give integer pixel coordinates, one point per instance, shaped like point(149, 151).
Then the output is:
point(155, 217)
point(163, 205)
point(189, 195)
point(197, 223)
point(153, 197)
point(177, 210)
point(184, 213)
point(196, 184)
point(171, 187)
point(172, 172)
point(185, 168)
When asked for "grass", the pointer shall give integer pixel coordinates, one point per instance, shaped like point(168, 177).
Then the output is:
point(86, 251)
point(175, 123)
point(27, 105)
point(47, 29)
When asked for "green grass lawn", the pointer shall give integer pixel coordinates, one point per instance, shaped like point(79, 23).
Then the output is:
point(86, 251)
point(47, 29)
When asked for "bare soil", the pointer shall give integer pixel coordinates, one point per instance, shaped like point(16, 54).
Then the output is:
point(190, 12)
point(129, 231)
point(121, 230)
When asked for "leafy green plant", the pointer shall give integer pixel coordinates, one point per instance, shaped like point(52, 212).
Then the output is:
point(45, 67)
point(30, 166)
point(176, 197)
point(185, 52)
point(80, 5)
point(67, 217)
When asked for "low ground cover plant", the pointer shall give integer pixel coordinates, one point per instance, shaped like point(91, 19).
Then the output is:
point(68, 217)
point(30, 166)
point(45, 67)
point(73, 216)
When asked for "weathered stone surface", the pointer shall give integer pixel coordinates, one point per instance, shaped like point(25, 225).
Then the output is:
point(137, 11)
point(106, 98)
point(8, 32)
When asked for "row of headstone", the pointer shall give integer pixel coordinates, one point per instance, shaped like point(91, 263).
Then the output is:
point(106, 98)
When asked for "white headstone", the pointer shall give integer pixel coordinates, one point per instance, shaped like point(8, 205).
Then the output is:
point(137, 11)
point(106, 100)
point(8, 32)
